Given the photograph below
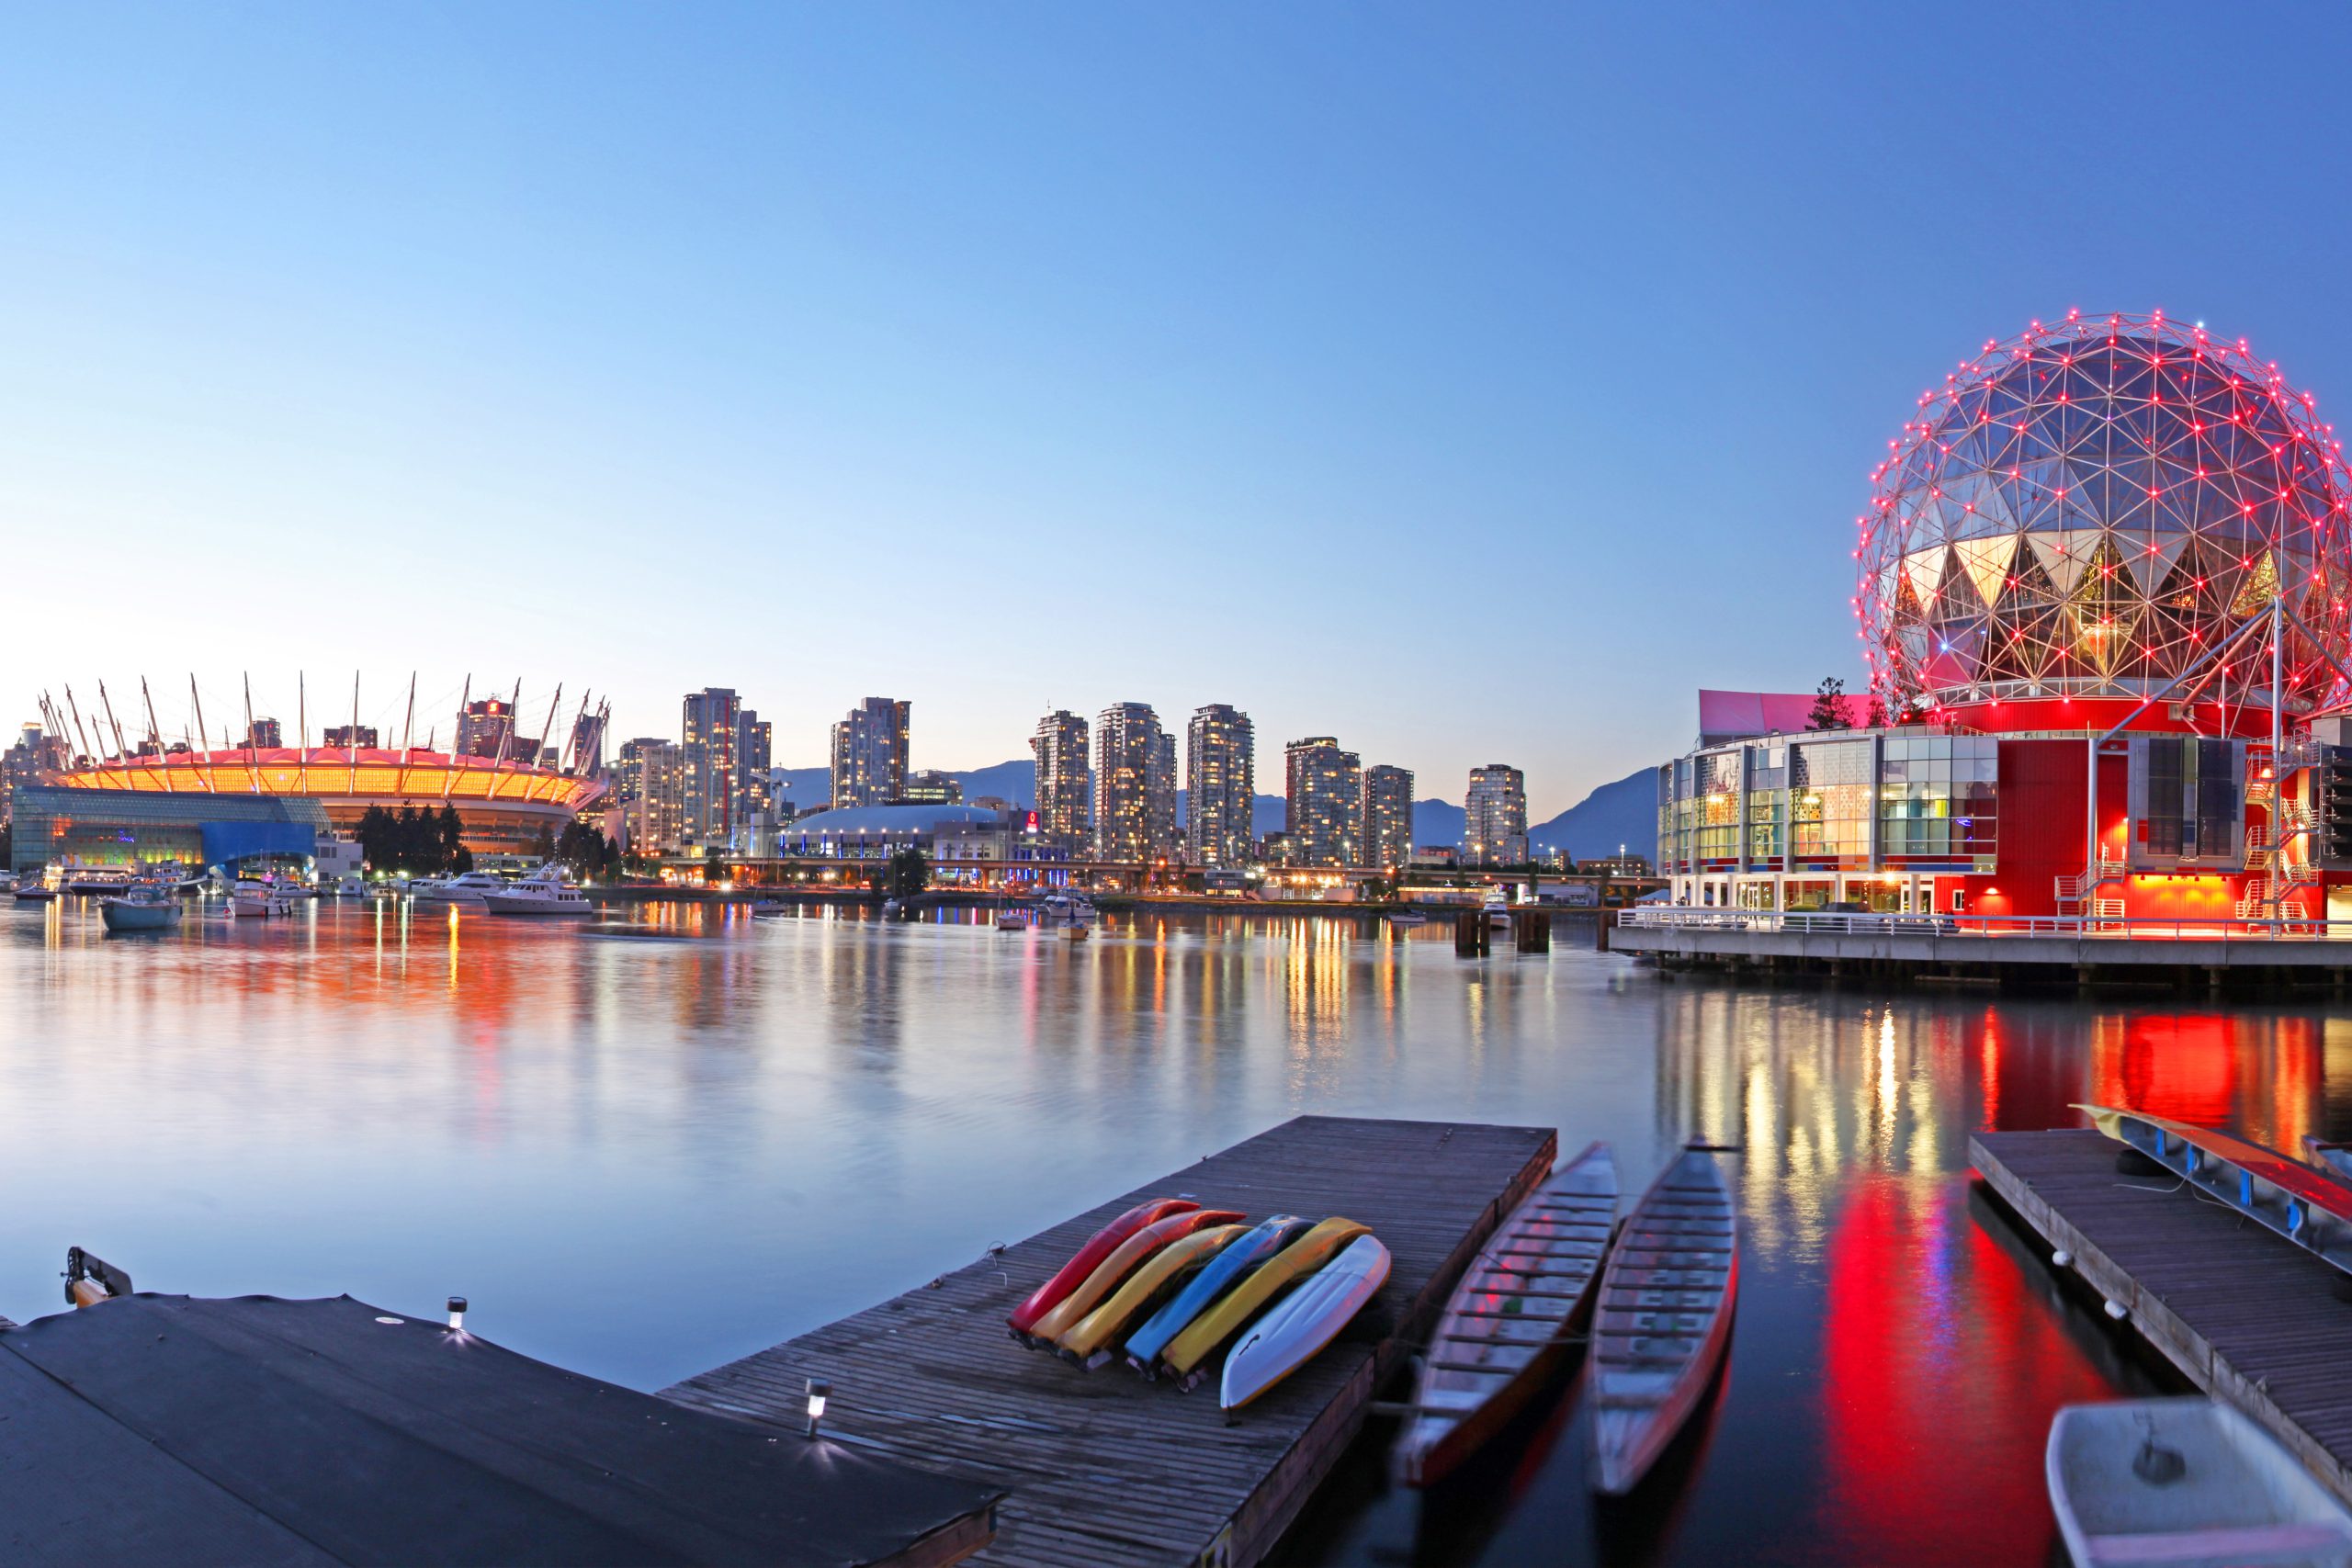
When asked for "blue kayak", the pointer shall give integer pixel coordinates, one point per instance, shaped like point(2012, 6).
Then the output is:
point(1228, 1269)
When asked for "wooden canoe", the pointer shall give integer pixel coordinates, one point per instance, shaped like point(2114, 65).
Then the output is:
point(1504, 1334)
point(2186, 1482)
point(2281, 1195)
point(1663, 1320)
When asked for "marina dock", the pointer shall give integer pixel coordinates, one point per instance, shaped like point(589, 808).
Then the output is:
point(1102, 1468)
point(2246, 1316)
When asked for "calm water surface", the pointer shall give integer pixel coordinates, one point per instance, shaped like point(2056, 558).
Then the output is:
point(643, 1158)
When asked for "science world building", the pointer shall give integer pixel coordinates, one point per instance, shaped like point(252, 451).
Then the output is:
point(2101, 589)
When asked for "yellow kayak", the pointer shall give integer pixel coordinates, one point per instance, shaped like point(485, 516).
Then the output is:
point(1115, 1267)
point(1287, 1267)
point(1098, 1326)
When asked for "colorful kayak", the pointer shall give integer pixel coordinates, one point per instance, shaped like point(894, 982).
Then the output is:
point(1504, 1334)
point(1144, 1346)
point(1085, 1296)
point(1162, 1274)
point(2277, 1193)
point(1289, 1333)
point(1188, 1354)
point(1089, 1257)
point(1663, 1318)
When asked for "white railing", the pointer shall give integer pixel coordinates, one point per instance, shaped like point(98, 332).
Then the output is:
point(2210, 928)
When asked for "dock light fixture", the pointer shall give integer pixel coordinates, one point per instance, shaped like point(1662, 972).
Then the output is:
point(818, 1389)
point(457, 1315)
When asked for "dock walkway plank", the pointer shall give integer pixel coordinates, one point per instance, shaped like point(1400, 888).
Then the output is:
point(2248, 1317)
point(1102, 1467)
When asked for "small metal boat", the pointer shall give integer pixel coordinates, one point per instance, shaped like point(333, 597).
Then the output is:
point(1015, 918)
point(90, 1280)
point(2189, 1483)
point(1663, 1318)
point(2279, 1194)
point(35, 893)
point(1504, 1334)
point(1407, 918)
point(1295, 1328)
point(2327, 1158)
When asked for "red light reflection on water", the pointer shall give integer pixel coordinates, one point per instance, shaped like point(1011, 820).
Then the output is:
point(1941, 1371)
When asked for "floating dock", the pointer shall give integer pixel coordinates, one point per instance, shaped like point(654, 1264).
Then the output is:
point(2248, 1317)
point(1102, 1468)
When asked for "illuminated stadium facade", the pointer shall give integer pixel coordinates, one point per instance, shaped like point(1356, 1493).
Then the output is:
point(501, 784)
point(2102, 592)
point(504, 805)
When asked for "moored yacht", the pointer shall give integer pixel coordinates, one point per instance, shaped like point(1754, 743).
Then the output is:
point(466, 888)
point(544, 892)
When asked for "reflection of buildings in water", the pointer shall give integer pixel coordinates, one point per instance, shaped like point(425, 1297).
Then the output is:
point(1810, 1085)
point(2262, 1075)
point(1939, 1373)
point(1315, 960)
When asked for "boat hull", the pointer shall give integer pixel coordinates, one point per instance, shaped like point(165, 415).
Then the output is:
point(1663, 1320)
point(535, 907)
point(1293, 1333)
point(2284, 1196)
point(1504, 1333)
point(121, 917)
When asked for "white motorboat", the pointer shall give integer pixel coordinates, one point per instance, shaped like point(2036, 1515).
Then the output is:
point(2189, 1482)
point(255, 900)
point(1015, 918)
point(544, 892)
point(1066, 912)
point(1496, 908)
point(468, 888)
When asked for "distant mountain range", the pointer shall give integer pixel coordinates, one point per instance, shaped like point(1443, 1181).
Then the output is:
point(1622, 813)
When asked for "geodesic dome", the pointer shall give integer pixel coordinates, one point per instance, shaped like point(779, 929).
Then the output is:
point(2091, 507)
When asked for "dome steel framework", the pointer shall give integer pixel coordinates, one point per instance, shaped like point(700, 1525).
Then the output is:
point(2090, 508)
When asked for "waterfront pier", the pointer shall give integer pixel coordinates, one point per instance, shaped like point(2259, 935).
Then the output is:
point(1102, 1468)
point(2246, 1316)
point(2210, 953)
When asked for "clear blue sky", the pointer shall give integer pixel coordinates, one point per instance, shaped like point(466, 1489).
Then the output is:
point(1469, 383)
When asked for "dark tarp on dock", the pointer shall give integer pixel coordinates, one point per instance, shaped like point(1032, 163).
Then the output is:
point(266, 1431)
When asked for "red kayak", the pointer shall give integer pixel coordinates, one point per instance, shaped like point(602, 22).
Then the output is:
point(1089, 1257)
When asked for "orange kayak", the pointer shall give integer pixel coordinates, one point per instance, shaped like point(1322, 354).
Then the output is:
point(1084, 1341)
point(1089, 1257)
point(1088, 1293)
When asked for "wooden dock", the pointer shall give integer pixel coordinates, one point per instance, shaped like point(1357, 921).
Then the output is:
point(1103, 1468)
point(2249, 1318)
